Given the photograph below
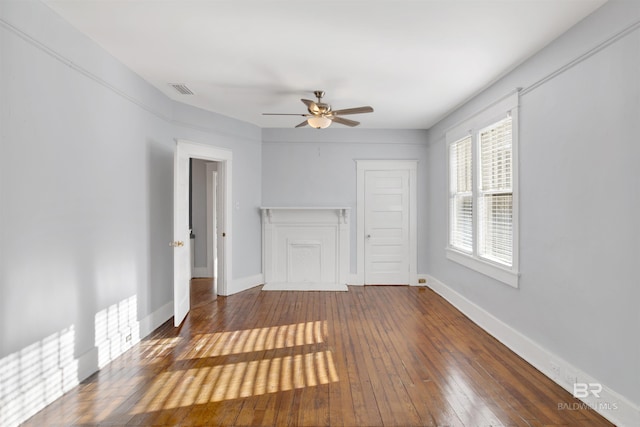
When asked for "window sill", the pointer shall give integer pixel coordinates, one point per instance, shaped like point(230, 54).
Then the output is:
point(487, 268)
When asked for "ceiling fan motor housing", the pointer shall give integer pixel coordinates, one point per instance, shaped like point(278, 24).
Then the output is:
point(319, 108)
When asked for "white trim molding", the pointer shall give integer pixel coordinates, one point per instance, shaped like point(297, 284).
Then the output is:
point(302, 286)
point(165, 114)
point(611, 405)
point(494, 271)
point(244, 283)
point(151, 322)
point(354, 280)
point(422, 277)
point(200, 272)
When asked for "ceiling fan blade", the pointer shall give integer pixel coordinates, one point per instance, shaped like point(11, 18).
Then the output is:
point(346, 122)
point(357, 110)
point(285, 114)
point(302, 124)
point(312, 106)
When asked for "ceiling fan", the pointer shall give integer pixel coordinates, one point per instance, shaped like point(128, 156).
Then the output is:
point(320, 115)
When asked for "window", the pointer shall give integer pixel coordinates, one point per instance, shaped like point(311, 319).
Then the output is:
point(495, 194)
point(461, 195)
point(482, 214)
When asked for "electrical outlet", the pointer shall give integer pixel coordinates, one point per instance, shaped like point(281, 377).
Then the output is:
point(570, 377)
point(555, 370)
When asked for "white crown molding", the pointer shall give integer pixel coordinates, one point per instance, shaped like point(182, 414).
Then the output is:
point(99, 80)
point(583, 57)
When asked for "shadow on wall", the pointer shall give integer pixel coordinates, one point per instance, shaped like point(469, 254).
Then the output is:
point(40, 373)
point(37, 375)
point(116, 329)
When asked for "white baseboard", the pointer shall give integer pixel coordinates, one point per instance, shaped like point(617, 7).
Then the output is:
point(306, 286)
point(358, 280)
point(200, 272)
point(151, 322)
point(421, 277)
point(355, 280)
point(117, 342)
point(244, 283)
point(87, 364)
point(611, 405)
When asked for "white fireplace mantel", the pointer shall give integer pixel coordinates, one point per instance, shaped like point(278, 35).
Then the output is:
point(305, 248)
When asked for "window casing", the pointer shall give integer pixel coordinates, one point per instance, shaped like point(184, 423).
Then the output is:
point(483, 232)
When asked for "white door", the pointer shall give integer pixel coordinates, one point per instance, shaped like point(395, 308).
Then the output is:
point(181, 242)
point(223, 223)
point(386, 227)
point(212, 222)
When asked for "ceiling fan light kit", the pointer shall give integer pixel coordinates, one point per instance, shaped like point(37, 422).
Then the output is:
point(320, 115)
point(319, 122)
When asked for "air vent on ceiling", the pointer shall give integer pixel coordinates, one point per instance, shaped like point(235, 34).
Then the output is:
point(182, 88)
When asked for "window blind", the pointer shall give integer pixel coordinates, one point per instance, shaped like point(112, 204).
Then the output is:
point(495, 195)
point(461, 182)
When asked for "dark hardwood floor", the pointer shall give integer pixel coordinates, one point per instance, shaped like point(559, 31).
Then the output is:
point(373, 356)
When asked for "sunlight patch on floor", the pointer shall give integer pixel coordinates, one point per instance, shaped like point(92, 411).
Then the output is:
point(257, 339)
point(196, 386)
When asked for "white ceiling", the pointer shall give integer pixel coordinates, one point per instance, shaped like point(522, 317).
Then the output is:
point(412, 61)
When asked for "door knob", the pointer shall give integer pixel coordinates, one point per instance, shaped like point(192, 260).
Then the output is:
point(177, 244)
point(368, 236)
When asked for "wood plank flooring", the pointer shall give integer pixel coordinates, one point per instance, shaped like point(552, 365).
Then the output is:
point(373, 356)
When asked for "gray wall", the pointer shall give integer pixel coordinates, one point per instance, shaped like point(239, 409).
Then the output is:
point(86, 166)
point(86, 185)
point(307, 167)
point(579, 203)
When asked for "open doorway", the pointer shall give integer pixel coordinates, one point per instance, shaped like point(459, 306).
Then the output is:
point(186, 152)
point(204, 224)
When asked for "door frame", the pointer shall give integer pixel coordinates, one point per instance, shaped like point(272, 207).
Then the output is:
point(363, 166)
point(212, 220)
point(192, 150)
